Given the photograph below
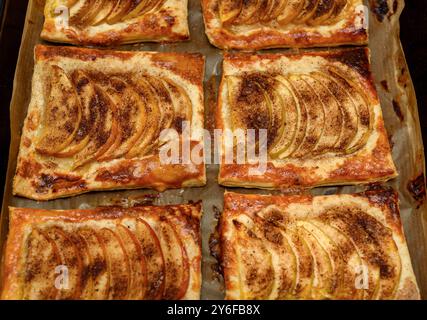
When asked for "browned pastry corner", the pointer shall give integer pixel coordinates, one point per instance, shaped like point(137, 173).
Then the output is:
point(108, 22)
point(95, 119)
point(322, 247)
point(105, 253)
point(260, 24)
point(321, 112)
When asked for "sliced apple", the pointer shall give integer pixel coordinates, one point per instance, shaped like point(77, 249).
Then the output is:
point(273, 9)
point(292, 10)
point(77, 11)
point(155, 263)
point(96, 271)
point(93, 13)
point(248, 106)
point(249, 12)
point(307, 11)
point(108, 133)
point(119, 11)
point(360, 101)
point(117, 264)
point(305, 263)
point(142, 8)
point(275, 107)
point(89, 115)
point(283, 258)
point(83, 12)
point(334, 123)
point(268, 7)
point(153, 116)
point(166, 102)
point(353, 224)
point(264, 9)
point(135, 8)
point(377, 244)
point(104, 130)
point(336, 259)
point(340, 5)
point(315, 116)
point(137, 274)
point(349, 113)
point(183, 107)
point(152, 5)
point(61, 116)
point(104, 12)
point(184, 223)
point(229, 10)
point(323, 12)
point(130, 116)
point(352, 261)
point(70, 258)
point(113, 89)
point(324, 276)
point(296, 119)
point(255, 263)
point(85, 281)
point(41, 259)
point(98, 268)
point(176, 261)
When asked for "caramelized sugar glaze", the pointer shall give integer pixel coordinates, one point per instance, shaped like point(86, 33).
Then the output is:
point(94, 116)
point(138, 253)
point(303, 248)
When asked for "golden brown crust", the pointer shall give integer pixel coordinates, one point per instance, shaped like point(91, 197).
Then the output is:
point(347, 27)
point(166, 21)
point(120, 103)
point(298, 158)
point(102, 236)
point(353, 229)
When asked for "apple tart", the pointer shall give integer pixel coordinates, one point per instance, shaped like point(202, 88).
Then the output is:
point(322, 116)
point(322, 247)
point(260, 24)
point(96, 117)
point(105, 253)
point(112, 22)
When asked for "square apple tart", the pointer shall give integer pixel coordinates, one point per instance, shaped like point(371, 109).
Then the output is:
point(261, 24)
point(96, 119)
point(108, 253)
point(322, 247)
point(112, 22)
point(322, 116)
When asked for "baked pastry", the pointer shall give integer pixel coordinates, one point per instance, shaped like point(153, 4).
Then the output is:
point(106, 253)
point(322, 115)
point(322, 247)
point(96, 121)
point(260, 24)
point(112, 22)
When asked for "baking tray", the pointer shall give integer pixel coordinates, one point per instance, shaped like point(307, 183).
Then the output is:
point(397, 98)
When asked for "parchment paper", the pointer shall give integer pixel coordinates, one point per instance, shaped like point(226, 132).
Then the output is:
point(398, 102)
